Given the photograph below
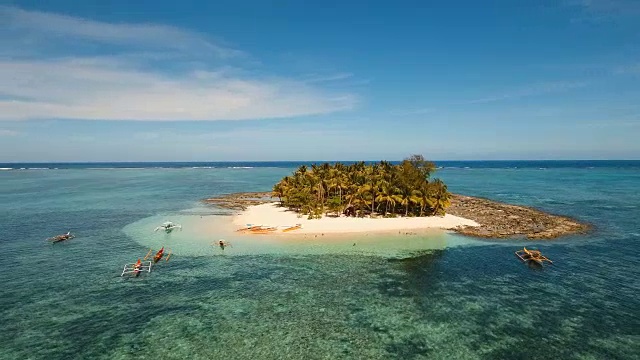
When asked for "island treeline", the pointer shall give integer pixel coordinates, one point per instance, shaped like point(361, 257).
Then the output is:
point(360, 189)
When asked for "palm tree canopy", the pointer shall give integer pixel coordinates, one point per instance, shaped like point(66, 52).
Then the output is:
point(404, 188)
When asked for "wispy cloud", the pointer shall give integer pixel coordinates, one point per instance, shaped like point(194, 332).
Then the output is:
point(609, 123)
point(627, 69)
point(529, 90)
point(6, 132)
point(604, 10)
point(524, 91)
point(315, 78)
point(535, 89)
point(409, 112)
point(148, 35)
point(75, 89)
point(133, 80)
point(250, 135)
point(610, 6)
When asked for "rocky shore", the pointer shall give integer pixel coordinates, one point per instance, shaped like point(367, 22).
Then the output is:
point(500, 220)
point(240, 201)
point(497, 220)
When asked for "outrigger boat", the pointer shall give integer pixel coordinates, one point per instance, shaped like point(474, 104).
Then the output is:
point(263, 230)
point(136, 268)
point(159, 255)
point(62, 237)
point(257, 229)
point(532, 257)
point(292, 228)
point(250, 227)
point(168, 226)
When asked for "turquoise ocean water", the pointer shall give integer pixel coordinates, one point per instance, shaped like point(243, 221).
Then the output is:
point(436, 296)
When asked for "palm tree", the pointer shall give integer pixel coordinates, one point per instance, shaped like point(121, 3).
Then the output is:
point(302, 169)
point(335, 184)
point(374, 181)
point(406, 197)
point(352, 183)
point(386, 195)
point(441, 198)
point(281, 188)
point(424, 198)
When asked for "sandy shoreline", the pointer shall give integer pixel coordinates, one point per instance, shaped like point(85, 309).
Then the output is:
point(270, 214)
point(496, 220)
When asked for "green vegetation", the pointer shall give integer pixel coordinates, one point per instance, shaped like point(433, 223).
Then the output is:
point(360, 189)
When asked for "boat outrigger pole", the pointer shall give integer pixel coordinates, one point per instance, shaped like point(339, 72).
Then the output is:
point(136, 268)
point(532, 256)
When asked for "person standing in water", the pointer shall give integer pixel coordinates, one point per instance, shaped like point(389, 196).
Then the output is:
point(223, 244)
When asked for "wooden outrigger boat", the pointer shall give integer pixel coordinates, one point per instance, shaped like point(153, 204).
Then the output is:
point(532, 257)
point(292, 228)
point(251, 227)
point(136, 268)
point(263, 230)
point(159, 255)
point(63, 237)
point(257, 229)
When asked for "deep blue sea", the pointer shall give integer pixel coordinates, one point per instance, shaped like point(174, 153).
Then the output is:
point(468, 299)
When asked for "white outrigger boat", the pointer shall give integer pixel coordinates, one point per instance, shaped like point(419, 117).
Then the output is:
point(136, 268)
point(168, 226)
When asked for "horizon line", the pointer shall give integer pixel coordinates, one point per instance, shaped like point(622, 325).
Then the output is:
point(292, 161)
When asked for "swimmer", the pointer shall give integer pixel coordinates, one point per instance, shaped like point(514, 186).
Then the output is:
point(223, 244)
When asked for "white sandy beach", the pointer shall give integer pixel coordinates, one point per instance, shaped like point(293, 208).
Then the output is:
point(272, 215)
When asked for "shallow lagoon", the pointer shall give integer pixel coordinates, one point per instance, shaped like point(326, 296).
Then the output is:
point(200, 233)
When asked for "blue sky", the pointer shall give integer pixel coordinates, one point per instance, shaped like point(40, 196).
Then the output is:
point(254, 80)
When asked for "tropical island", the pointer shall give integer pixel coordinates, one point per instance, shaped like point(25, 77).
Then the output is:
point(361, 197)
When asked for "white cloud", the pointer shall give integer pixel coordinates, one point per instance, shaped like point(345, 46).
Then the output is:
point(148, 35)
point(76, 89)
point(159, 81)
point(6, 132)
